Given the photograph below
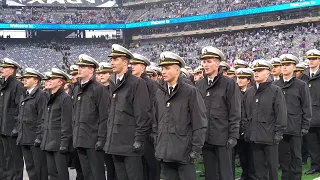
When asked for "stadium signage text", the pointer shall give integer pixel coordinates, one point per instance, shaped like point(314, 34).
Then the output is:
point(160, 22)
point(21, 26)
point(302, 4)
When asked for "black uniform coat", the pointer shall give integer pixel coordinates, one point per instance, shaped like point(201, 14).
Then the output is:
point(314, 88)
point(223, 108)
point(10, 93)
point(90, 103)
point(57, 130)
point(264, 113)
point(298, 103)
point(181, 122)
point(129, 117)
point(72, 87)
point(30, 116)
point(303, 77)
point(241, 131)
point(152, 89)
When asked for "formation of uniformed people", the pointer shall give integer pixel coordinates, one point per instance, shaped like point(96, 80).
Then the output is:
point(134, 120)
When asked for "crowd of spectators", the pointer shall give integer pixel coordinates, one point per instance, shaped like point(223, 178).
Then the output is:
point(248, 45)
point(63, 15)
point(154, 11)
point(199, 7)
point(222, 24)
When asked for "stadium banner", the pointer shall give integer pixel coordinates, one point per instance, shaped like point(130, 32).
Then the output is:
point(62, 26)
point(243, 12)
point(65, 3)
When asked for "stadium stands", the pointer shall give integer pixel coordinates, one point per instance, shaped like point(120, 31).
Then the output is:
point(248, 45)
point(147, 12)
point(56, 15)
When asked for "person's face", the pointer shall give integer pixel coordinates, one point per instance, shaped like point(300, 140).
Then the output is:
point(137, 69)
point(243, 82)
point(118, 64)
point(210, 65)
point(7, 71)
point(22, 80)
point(298, 74)
point(104, 77)
point(29, 82)
point(154, 77)
point(66, 87)
point(55, 83)
point(169, 73)
point(85, 71)
point(74, 78)
point(287, 69)
point(261, 75)
point(225, 73)
point(230, 75)
point(47, 84)
point(197, 77)
point(98, 77)
point(276, 71)
point(314, 62)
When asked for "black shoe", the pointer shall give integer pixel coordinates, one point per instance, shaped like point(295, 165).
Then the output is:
point(311, 171)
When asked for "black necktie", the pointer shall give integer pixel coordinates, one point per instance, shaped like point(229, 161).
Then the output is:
point(82, 85)
point(118, 82)
point(210, 82)
point(312, 74)
point(170, 90)
point(27, 93)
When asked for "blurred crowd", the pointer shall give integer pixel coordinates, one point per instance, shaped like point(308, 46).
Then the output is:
point(199, 7)
point(246, 45)
point(63, 15)
point(155, 11)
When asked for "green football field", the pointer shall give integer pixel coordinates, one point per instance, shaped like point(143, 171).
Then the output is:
point(200, 168)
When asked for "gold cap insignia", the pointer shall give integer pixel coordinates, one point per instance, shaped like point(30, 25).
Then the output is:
point(163, 58)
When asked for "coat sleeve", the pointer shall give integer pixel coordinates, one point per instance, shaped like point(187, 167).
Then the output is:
point(17, 97)
point(234, 109)
point(280, 109)
point(40, 109)
point(141, 109)
point(243, 116)
point(306, 107)
point(154, 126)
point(103, 103)
point(153, 107)
point(66, 118)
point(199, 120)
